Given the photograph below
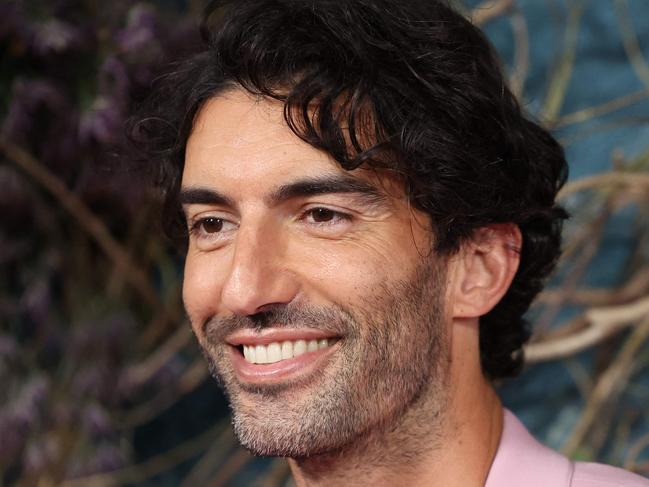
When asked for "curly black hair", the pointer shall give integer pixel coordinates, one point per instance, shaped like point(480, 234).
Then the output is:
point(409, 86)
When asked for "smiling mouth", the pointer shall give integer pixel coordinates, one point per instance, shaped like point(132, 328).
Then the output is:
point(278, 351)
point(278, 356)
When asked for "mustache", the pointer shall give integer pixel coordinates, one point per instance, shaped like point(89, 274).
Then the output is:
point(330, 319)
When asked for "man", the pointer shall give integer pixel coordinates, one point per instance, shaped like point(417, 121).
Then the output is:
point(367, 215)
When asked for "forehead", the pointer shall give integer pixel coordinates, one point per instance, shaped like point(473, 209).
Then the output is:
point(239, 138)
point(237, 134)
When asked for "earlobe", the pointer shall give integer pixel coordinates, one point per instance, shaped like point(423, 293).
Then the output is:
point(485, 268)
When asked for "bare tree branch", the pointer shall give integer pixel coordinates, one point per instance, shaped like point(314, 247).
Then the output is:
point(595, 111)
point(635, 450)
point(563, 73)
point(630, 40)
point(602, 323)
point(489, 10)
point(521, 53)
point(616, 376)
point(636, 286)
point(626, 179)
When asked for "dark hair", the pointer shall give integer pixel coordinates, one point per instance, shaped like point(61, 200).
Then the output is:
point(418, 89)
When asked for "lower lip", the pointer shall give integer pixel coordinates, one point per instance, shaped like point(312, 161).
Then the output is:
point(279, 372)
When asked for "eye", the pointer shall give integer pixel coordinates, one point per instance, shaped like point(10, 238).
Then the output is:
point(211, 229)
point(211, 225)
point(325, 216)
point(322, 215)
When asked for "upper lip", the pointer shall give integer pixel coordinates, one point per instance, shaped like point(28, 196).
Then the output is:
point(269, 335)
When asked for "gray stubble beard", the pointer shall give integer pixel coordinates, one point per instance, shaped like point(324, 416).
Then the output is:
point(385, 390)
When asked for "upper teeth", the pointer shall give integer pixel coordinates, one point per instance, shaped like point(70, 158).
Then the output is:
point(276, 351)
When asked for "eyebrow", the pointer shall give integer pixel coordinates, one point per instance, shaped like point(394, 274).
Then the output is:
point(203, 196)
point(340, 183)
point(304, 187)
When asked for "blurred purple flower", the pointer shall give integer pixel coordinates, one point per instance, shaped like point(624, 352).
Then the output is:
point(96, 421)
point(35, 458)
point(107, 458)
point(102, 123)
point(55, 36)
point(22, 415)
point(31, 400)
point(139, 37)
point(27, 98)
point(113, 80)
point(41, 119)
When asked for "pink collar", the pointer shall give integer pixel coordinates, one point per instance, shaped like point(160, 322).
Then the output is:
point(521, 460)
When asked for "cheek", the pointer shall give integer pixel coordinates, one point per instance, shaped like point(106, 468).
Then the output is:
point(344, 271)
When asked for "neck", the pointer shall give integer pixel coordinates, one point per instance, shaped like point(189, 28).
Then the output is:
point(452, 446)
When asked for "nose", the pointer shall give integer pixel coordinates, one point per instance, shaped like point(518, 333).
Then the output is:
point(258, 275)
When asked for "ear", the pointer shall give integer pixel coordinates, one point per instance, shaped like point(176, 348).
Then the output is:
point(484, 269)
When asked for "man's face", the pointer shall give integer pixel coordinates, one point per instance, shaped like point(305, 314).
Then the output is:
point(312, 291)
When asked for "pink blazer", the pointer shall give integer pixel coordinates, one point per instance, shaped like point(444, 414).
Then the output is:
point(521, 461)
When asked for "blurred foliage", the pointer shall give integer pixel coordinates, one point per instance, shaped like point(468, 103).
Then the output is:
point(102, 382)
point(89, 345)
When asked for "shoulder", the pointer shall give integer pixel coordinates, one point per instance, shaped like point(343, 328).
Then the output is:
point(598, 475)
point(522, 460)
